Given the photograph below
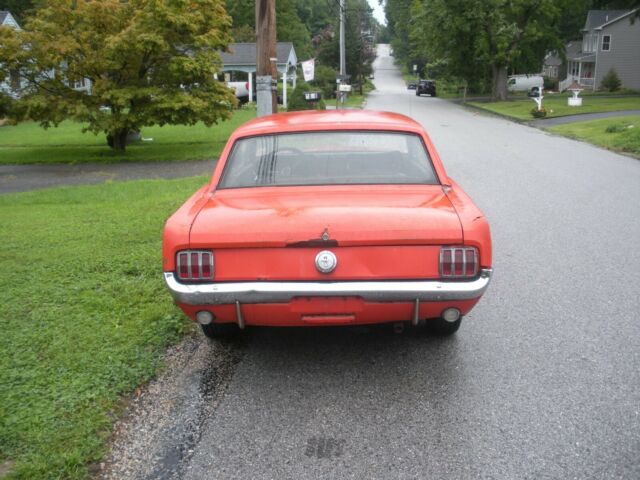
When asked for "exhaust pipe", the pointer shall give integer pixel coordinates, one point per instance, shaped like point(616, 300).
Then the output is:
point(398, 327)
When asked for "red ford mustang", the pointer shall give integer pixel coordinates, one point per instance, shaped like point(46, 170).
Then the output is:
point(328, 218)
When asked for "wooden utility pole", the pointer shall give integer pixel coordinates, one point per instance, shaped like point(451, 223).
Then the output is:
point(266, 57)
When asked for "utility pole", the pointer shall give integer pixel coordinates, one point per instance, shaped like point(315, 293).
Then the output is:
point(343, 69)
point(266, 57)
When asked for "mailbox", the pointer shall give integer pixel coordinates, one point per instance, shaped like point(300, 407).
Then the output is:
point(312, 96)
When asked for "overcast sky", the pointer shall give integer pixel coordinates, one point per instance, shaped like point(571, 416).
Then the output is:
point(378, 11)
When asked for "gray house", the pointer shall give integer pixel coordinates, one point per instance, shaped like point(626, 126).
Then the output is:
point(609, 40)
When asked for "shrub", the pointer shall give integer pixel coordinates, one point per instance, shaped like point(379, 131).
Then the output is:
point(611, 81)
point(298, 102)
point(618, 128)
point(538, 113)
point(325, 80)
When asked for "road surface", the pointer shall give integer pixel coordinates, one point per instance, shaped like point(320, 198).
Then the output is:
point(541, 382)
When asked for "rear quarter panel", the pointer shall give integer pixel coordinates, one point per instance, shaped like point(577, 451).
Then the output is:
point(178, 226)
point(475, 227)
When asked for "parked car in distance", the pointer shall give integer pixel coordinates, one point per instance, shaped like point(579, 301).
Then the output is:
point(412, 85)
point(524, 83)
point(320, 218)
point(426, 87)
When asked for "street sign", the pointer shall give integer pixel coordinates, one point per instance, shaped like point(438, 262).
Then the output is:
point(344, 88)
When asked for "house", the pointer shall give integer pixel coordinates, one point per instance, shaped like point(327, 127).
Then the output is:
point(609, 40)
point(552, 66)
point(7, 19)
point(242, 58)
point(13, 83)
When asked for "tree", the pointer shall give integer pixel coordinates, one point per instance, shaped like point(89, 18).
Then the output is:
point(611, 81)
point(359, 49)
point(18, 8)
point(150, 62)
point(498, 35)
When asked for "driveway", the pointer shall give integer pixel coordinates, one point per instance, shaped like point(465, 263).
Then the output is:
point(542, 381)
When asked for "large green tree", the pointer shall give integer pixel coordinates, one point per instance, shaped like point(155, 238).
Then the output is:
point(289, 26)
point(474, 36)
point(150, 62)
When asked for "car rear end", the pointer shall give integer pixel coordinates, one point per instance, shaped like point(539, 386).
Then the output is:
point(279, 253)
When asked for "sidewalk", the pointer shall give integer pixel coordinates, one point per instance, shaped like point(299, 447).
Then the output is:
point(584, 117)
point(21, 178)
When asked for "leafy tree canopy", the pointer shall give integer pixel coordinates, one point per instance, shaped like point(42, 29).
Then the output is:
point(150, 62)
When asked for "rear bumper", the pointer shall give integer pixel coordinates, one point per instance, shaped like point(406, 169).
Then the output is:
point(369, 291)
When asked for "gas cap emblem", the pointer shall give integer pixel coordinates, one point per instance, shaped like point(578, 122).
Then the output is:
point(326, 261)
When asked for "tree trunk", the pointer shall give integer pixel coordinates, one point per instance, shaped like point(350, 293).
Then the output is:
point(118, 140)
point(499, 82)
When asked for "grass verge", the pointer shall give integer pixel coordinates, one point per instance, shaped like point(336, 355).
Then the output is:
point(556, 106)
point(621, 134)
point(85, 316)
point(29, 143)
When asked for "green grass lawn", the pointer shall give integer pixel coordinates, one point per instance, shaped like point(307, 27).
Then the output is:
point(85, 316)
point(619, 133)
point(29, 143)
point(556, 106)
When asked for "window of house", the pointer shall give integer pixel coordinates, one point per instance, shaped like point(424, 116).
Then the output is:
point(594, 43)
point(606, 43)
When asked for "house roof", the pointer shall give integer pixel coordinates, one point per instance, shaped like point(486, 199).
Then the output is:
point(597, 18)
point(552, 60)
point(7, 19)
point(629, 12)
point(245, 53)
point(573, 49)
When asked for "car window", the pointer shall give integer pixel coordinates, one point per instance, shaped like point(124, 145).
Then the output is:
point(328, 158)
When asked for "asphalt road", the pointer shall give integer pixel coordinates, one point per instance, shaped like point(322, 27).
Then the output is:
point(543, 378)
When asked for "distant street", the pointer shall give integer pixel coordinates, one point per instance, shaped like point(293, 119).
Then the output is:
point(541, 382)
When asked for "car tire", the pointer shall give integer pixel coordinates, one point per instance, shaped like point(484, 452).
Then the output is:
point(220, 330)
point(417, 94)
point(441, 327)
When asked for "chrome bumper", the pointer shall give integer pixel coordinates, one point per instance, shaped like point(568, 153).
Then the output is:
point(283, 292)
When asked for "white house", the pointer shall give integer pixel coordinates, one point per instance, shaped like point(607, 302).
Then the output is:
point(13, 83)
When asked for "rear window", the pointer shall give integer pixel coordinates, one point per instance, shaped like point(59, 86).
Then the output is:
point(328, 158)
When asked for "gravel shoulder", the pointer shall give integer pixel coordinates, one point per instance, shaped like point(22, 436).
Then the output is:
point(162, 421)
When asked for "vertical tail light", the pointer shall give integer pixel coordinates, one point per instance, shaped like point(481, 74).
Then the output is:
point(459, 262)
point(195, 265)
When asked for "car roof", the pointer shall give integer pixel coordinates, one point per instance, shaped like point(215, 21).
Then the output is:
point(315, 120)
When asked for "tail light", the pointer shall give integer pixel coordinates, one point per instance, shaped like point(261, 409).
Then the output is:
point(459, 262)
point(194, 265)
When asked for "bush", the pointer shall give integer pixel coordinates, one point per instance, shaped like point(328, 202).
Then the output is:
point(611, 82)
point(298, 102)
point(539, 113)
point(325, 80)
point(617, 128)
point(550, 83)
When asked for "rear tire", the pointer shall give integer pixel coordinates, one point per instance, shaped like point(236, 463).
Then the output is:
point(440, 326)
point(220, 330)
